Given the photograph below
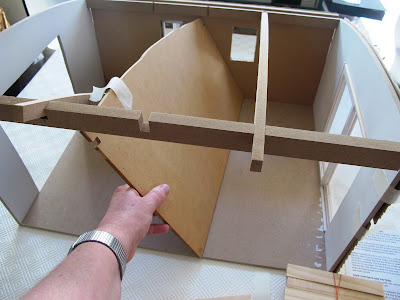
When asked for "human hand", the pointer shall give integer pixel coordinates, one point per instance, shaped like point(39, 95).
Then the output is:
point(129, 216)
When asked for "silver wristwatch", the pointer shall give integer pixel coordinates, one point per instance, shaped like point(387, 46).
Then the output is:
point(108, 240)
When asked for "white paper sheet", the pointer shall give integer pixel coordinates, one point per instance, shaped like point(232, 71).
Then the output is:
point(377, 257)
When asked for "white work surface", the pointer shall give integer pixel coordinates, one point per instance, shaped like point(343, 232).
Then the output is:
point(27, 255)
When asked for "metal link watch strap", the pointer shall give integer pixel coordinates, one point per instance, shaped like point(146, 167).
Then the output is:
point(108, 240)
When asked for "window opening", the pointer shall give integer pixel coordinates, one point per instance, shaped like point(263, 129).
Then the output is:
point(336, 179)
point(169, 26)
point(244, 42)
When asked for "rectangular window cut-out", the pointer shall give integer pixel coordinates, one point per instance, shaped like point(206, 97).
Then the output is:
point(244, 42)
point(345, 119)
point(169, 26)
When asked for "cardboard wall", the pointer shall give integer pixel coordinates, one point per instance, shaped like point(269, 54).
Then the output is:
point(380, 112)
point(298, 44)
point(71, 22)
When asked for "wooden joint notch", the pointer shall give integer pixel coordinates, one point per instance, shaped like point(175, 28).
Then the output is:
point(201, 131)
point(25, 110)
point(260, 115)
point(99, 119)
point(343, 149)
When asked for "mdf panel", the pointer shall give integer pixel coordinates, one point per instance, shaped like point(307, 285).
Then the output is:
point(274, 217)
point(141, 30)
point(245, 73)
point(297, 56)
point(378, 101)
point(379, 110)
point(185, 74)
point(352, 217)
point(75, 197)
point(17, 189)
point(124, 36)
point(296, 60)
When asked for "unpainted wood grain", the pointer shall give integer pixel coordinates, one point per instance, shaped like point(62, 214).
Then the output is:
point(184, 74)
point(347, 282)
point(329, 290)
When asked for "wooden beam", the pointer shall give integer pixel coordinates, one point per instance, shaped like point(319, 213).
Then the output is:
point(201, 131)
point(260, 116)
point(332, 148)
point(24, 110)
point(212, 133)
point(180, 9)
point(135, 6)
point(8, 108)
point(117, 121)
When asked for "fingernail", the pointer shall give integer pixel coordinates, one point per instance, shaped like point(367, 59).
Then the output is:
point(165, 187)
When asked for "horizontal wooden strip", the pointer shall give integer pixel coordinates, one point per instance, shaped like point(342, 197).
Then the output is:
point(202, 132)
point(347, 282)
point(344, 294)
point(295, 294)
point(118, 121)
point(134, 6)
point(332, 148)
point(222, 134)
point(316, 18)
point(267, 8)
point(7, 107)
point(32, 110)
point(24, 110)
point(180, 9)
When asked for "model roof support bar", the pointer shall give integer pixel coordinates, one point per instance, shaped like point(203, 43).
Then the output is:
point(260, 116)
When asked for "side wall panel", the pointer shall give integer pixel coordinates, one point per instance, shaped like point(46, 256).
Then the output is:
point(17, 189)
point(379, 108)
point(71, 21)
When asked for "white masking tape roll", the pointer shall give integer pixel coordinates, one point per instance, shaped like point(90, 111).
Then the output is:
point(120, 89)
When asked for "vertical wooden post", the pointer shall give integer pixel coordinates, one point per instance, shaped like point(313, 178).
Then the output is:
point(260, 116)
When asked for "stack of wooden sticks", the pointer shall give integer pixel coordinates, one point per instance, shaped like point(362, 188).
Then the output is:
point(306, 283)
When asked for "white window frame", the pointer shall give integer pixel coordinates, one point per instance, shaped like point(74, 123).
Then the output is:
point(175, 25)
point(328, 169)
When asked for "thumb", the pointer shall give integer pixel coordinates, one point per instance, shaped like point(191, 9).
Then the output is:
point(157, 196)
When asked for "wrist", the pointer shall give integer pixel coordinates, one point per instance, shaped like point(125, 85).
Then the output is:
point(121, 236)
point(106, 239)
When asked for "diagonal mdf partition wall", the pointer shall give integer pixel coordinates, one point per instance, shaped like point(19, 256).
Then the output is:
point(182, 74)
point(275, 213)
